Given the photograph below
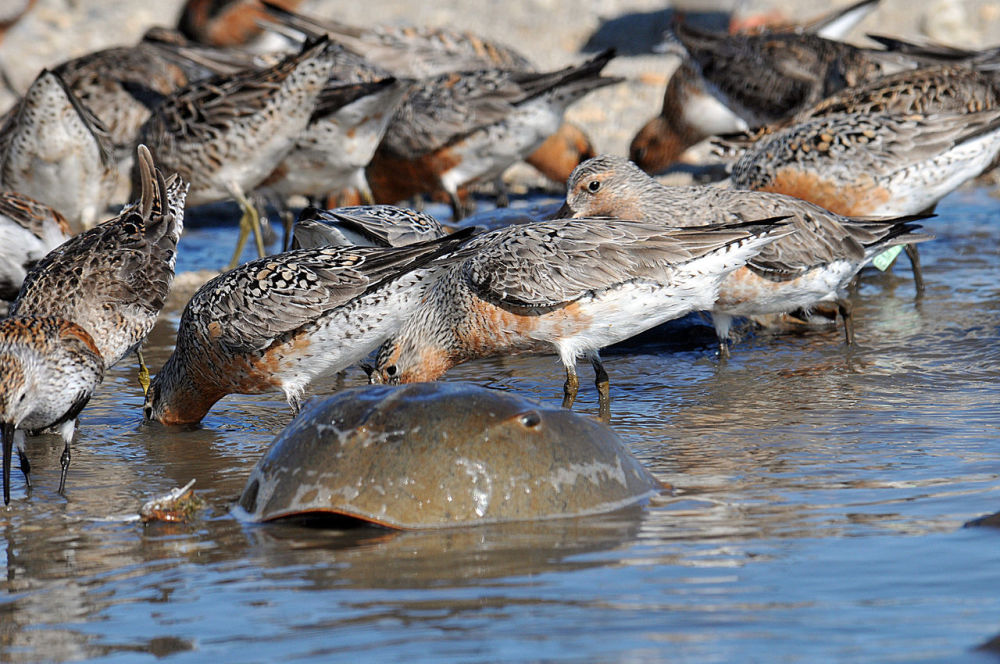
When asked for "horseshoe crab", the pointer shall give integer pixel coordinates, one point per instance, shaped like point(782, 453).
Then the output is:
point(436, 455)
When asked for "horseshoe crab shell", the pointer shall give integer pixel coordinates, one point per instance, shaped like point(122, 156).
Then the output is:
point(436, 455)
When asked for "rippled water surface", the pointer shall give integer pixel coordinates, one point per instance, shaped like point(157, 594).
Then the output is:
point(817, 513)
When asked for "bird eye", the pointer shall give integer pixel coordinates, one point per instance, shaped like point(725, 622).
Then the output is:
point(390, 370)
point(594, 186)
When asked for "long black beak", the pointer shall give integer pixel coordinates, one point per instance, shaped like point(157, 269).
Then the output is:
point(7, 436)
point(565, 212)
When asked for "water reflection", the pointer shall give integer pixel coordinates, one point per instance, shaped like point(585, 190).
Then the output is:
point(361, 557)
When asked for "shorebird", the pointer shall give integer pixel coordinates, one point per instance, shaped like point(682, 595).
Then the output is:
point(690, 113)
point(53, 149)
point(835, 24)
point(571, 287)
point(561, 153)
point(462, 128)
point(813, 265)
point(729, 83)
point(332, 152)
point(49, 367)
point(282, 322)
point(412, 52)
point(28, 231)
point(364, 226)
point(121, 86)
point(409, 51)
point(872, 164)
point(947, 88)
point(226, 22)
point(113, 279)
point(767, 77)
point(226, 134)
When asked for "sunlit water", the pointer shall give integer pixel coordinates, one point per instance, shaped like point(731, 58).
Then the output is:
point(818, 510)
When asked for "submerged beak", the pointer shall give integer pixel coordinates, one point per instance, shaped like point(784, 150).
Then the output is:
point(7, 436)
point(565, 212)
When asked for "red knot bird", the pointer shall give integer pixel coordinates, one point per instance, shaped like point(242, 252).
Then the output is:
point(284, 321)
point(462, 128)
point(562, 152)
point(950, 88)
point(364, 226)
point(226, 134)
point(872, 164)
point(113, 279)
point(28, 231)
point(798, 271)
point(340, 140)
point(53, 149)
point(835, 24)
point(571, 287)
point(409, 51)
point(49, 368)
point(420, 52)
point(728, 83)
point(764, 78)
point(226, 23)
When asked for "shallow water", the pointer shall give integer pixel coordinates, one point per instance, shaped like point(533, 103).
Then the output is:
point(817, 515)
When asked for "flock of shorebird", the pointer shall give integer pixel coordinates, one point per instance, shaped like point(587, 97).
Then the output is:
point(835, 151)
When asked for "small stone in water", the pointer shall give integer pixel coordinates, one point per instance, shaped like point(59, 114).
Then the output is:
point(177, 506)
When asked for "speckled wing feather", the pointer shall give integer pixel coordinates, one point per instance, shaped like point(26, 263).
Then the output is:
point(31, 215)
point(205, 109)
point(248, 308)
point(407, 50)
point(447, 107)
point(820, 237)
point(337, 95)
point(940, 89)
point(551, 263)
point(383, 225)
point(450, 105)
point(880, 143)
point(121, 84)
point(94, 125)
point(772, 76)
point(113, 279)
point(949, 88)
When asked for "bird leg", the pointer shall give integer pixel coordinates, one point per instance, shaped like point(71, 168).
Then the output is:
point(66, 430)
point(367, 197)
point(844, 308)
point(7, 433)
point(723, 324)
point(250, 221)
point(918, 274)
point(287, 225)
point(570, 387)
point(64, 461)
point(457, 209)
point(22, 457)
point(143, 373)
point(603, 388)
point(503, 196)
